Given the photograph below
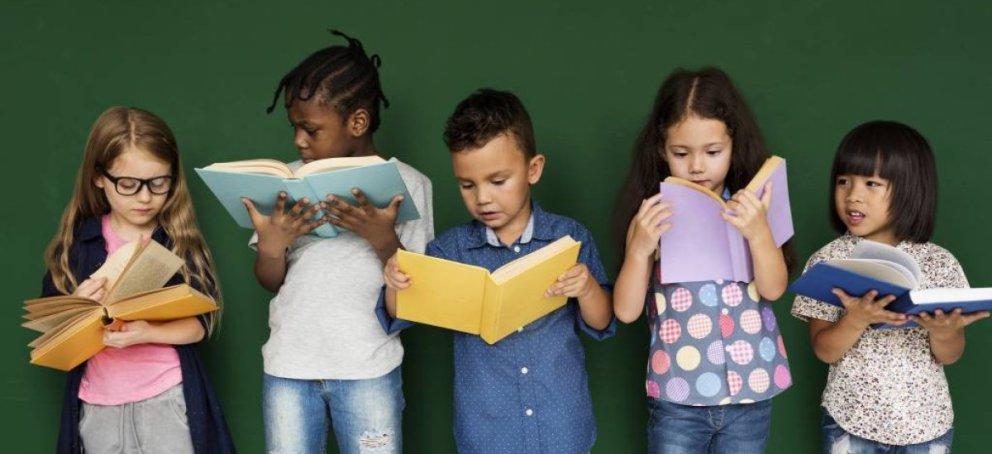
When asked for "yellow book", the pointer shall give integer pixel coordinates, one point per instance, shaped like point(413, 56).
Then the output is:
point(72, 327)
point(470, 299)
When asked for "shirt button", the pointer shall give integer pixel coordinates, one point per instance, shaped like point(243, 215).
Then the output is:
point(524, 370)
point(529, 412)
point(516, 248)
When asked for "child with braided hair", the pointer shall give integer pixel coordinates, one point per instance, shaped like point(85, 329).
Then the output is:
point(327, 362)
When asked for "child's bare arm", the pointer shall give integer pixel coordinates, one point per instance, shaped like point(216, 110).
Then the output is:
point(831, 341)
point(643, 234)
point(947, 332)
point(275, 234)
point(176, 332)
point(594, 302)
point(749, 215)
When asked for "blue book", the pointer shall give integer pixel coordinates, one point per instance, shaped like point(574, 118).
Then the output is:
point(876, 266)
point(261, 180)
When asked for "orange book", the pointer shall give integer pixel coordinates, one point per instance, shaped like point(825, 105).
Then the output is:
point(72, 327)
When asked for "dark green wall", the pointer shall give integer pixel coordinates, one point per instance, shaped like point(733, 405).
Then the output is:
point(586, 70)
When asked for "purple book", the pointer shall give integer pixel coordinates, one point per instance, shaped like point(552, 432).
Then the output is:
point(700, 245)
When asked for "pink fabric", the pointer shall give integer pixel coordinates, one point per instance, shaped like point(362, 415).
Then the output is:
point(117, 376)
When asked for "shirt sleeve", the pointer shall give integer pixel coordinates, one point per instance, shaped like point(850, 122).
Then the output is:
point(589, 255)
point(805, 308)
point(414, 235)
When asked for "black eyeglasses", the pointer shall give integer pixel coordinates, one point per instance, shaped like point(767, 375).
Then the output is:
point(131, 186)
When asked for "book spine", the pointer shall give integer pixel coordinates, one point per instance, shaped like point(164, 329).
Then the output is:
point(491, 301)
point(740, 256)
point(300, 189)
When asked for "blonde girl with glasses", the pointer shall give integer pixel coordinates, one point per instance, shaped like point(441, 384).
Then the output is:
point(148, 391)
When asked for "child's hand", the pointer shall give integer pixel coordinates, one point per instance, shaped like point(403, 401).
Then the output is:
point(395, 279)
point(120, 335)
point(867, 310)
point(749, 214)
point(278, 231)
point(646, 227)
point(574, 283)
point(943, 326)
point(91, 289)
point(367, 220)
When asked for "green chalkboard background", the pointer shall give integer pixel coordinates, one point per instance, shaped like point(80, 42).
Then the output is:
point(587, 71)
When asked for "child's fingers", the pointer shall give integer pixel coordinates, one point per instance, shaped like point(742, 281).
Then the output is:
point(766, 197)
point(885, 301)
point(972, 318)
point(280, 203)
point(256, 218)
point(394, 205)
point(298, 207)
point(363, 202)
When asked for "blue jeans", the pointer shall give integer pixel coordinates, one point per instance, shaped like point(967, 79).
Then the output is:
point(737, 429)
point(366, 415)
point(837, 441)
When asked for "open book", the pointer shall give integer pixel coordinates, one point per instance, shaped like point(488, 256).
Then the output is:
point(261, 180)
point(701, 245)
point(72, 327)
point(890, 271)
point(471, 299)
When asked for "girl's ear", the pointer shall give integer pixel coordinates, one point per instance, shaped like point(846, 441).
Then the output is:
point(98, 181)
point(358, 123)
point(535, 168)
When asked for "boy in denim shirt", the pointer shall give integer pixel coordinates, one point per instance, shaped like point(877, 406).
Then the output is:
point(528, 392)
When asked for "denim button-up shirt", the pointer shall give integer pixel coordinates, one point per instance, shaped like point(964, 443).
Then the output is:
point(529, 391)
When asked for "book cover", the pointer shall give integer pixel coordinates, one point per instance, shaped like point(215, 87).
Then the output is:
point(380, 181)
point(890, 271)
point(72, 327)
point(470, 299)
point(701, 245)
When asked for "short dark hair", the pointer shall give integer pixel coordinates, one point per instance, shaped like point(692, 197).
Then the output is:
point(901, 155)
point(343, 77)
point(486, 114)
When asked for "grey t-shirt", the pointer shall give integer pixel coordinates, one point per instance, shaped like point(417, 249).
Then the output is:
point(322, 322)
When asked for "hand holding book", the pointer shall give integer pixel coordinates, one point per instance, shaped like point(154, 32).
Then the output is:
point(749, 214)
point(869, 309)
point(647, 226)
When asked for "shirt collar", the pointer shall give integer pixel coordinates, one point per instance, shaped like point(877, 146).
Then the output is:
point(538, 227)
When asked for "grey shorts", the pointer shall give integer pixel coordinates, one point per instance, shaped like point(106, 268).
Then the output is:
point(154, 425)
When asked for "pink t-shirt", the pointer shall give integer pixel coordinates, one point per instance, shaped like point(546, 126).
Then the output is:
point(117, 376)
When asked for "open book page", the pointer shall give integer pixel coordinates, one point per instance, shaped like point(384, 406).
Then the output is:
point(332, 164)
point(150, 268)
point(259, 166)
point(53, 321)
point(116, 263)
point(529, 261)
point(882, 270)
point(170, 303)
point(951, 295)
point(866, 249)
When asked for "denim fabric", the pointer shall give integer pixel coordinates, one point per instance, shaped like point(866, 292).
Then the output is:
point(735, 428)
point(366, 414)
point(836, 440)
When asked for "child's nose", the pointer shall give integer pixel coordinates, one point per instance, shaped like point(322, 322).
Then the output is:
point(144, 194)
point(300, 140)
point(696, 164)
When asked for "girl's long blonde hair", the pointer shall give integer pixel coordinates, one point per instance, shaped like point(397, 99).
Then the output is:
point(117, 130)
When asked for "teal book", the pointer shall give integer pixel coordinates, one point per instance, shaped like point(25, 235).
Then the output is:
point(261, 180)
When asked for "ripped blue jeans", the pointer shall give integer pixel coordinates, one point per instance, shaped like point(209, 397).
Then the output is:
point(838, 441)
point(366, 415)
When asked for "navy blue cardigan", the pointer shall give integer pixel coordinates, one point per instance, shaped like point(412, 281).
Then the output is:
point(207, 426)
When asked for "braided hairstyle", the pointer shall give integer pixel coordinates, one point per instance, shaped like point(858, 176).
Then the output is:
point(344, 77)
